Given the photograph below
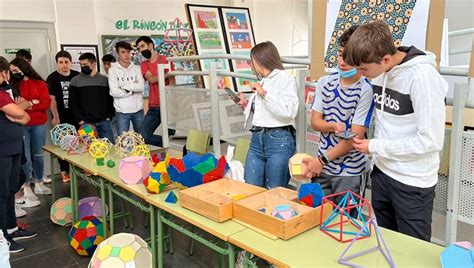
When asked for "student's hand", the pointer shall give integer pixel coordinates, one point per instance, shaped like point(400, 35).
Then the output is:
point(259, 89)
point(339, 127)
point(243, 102)
point(81, 122)
point(19, 100)
point(361, 145)
point(55, 121)
point(312, 167)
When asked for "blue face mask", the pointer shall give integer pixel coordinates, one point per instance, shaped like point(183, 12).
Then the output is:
point(347, 74)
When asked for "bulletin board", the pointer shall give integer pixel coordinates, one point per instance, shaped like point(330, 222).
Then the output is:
point(400, 15)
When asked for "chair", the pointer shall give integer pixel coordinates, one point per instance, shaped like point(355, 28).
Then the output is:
point(241, 149)
point(198, 141)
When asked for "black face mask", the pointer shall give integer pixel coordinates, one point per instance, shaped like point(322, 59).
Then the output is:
point(17, 76)
point(86, 70)
point(146, 53)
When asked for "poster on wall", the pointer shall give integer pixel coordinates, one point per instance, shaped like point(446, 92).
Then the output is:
point(406, 19)
point(77, 50)
point(209, 39)
point(241, 39)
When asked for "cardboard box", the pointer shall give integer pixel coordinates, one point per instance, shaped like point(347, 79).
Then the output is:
point(215, 199)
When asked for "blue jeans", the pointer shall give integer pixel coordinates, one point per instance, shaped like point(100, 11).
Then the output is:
point(150, 124)
point(34, 140)
point(104, 129)
point(267, 159)
point(123, 121)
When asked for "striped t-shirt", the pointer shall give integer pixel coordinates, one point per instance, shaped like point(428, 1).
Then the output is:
point(351, 105)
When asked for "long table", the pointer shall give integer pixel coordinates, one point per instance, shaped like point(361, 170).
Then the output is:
point(310, 249)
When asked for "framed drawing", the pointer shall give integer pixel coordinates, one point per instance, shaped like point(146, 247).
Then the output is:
point(208, 38)
point(239, 33)
point(77, 50)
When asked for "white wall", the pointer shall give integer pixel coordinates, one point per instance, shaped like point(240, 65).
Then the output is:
point(460, 15)
point(27, 10)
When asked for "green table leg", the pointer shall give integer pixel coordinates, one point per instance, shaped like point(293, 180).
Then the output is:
point(104, 208)
point(160, 235)
point(73, 197)
point(53, 185)
point(230, 247)
point(155, 251)
point(76, 196)
point(111, 210)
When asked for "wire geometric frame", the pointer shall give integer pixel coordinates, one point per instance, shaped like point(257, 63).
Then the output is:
point(381, 246)
point(342, 210)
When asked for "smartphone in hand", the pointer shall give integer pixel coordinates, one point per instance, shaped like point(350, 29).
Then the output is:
point(232, 94)
point(346, 135)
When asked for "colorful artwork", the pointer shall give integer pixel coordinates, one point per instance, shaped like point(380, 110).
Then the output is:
point(209, 40)
point(396, 14)
point(109, 41)
point(240, 40)
point(205, 19)
point(236, 21)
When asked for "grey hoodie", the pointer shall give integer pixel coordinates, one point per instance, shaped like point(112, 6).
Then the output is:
point(409, 127)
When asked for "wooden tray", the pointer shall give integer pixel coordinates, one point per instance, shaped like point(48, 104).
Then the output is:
point(246, 210)
point(214, 200)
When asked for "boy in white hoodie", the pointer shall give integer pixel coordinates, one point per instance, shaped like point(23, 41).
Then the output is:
point(409, 98)
point(126, 87)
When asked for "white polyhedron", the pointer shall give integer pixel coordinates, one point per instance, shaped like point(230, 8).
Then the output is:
point(59, 131)
point(122, 250)
point(127, 142)
point(70, 143)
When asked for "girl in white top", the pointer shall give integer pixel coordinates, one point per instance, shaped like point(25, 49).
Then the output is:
point(270, 115)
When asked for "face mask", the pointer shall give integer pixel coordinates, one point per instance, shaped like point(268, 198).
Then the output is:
point(17, 76)
point(86, 70)
point(146, 53)
point(347, 74)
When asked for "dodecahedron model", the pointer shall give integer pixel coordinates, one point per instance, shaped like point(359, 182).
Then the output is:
point(99, 148)
point(86, 234)
point(284, 212)
point(90, 206)
point(87, 133)
point(311, 194)
point(134, 169)
point(346, 219)
point(127, 142)
point(122, 251)
point(60, 130)
point(158, 179)
point(61, 211)
point(297, 169)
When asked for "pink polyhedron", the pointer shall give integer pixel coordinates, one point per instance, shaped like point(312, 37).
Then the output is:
point(134, 169)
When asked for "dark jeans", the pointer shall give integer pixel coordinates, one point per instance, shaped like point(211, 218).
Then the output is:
point(9, 184)
point(267, 159)
point(400, 207)
point(104, 129)
point(336, 184)
point(150, 123)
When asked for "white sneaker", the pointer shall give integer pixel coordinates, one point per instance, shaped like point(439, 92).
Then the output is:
point(29, 194)
point(40, 188)
point(46, 179)
point(19, 212)
point(29, 203)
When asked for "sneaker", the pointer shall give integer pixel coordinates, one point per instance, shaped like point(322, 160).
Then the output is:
point(19, 212)
point(46, 179)
point(28, 203)
point(65, 176)
point(15, 247)
point(40, 188)
point(29, 194)
point(21, 234)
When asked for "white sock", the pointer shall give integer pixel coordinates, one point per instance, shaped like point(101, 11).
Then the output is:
point(11, 231)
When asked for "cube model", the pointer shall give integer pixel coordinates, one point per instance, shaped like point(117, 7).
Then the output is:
point(297, 169)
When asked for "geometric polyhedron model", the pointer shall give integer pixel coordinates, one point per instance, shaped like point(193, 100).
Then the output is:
point(99, 148)
point(71, 144)
point(86, 234)
point(284, 212)
point(134, 169)
point(381, 246)
point(60, 130)
point(158, 179)
point(127, 142)
point(61, 211)
point(142, 150)
point(296, 167)
point(122, 250)
point(311, 194)
point(458, 254)
point(87, 133)
point(90, 206)
point(342, 217)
